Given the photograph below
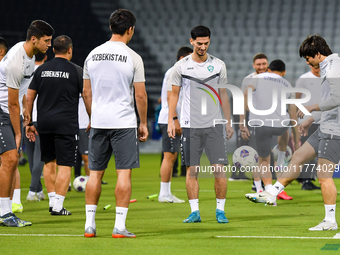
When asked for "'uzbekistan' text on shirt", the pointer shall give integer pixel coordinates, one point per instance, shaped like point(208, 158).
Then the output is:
point(110, 57)
point(55, 74)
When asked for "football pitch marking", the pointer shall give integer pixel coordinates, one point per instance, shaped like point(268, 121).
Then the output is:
point(52, 235)
point(61, 235)
point(337, 236)
point(281, 237)
point(211, 190)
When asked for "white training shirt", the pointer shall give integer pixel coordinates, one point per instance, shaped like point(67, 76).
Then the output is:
point(113, 68)
point(330, 95)
point(201, 102)
point(246, 82)
point(16, 70)
point(83, 117)
point(264, 85)
point(313, 84)
point(166, 86)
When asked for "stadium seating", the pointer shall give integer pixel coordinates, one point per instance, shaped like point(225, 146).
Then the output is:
point(239, 29)
point(75, 20)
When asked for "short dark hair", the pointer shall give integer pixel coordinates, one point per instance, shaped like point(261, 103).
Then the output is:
point(121, 20)
point(40, 56)
point(259, 56)
point(39, 28)
point(183, 51)
point(314, 44)
point(4, 42)
point(200, 31)
point(277, 65)
point(61, 44)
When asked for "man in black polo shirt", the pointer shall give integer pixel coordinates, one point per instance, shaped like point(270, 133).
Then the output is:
point(57, 84)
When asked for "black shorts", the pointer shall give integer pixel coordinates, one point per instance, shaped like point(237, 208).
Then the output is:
point(169, 144)
point(194, 140)
point(263, 138)
point(252, 139)
point(122, 142)
point(63, 148)
point(314, 127)
point(83, 147)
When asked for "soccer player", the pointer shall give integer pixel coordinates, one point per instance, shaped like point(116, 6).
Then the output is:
point(57, 83)
point(198, 74)
point(170, 146)
point(261, 88)
point(323, 143)
point(16, 191)
point(113, 73)
point(15, 70)
point(260, 65)
point(33, 151)
point(312, 82)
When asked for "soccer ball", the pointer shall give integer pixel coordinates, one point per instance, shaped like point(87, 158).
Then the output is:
point(245, 156)
point(288, 155)
point(79, 183)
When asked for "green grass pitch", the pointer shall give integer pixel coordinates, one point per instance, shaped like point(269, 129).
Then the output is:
point(254, 228)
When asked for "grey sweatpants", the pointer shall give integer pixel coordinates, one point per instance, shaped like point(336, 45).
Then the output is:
point(34, 161)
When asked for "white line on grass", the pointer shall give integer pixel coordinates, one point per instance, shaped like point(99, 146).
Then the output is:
point(52, 235)
point(265, 237)
point(319, 191)
point(210, 190)
point(281, 237)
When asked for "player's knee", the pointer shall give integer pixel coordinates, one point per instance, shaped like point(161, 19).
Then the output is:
point(193, 171)
point(10, 160)
point(220, 175)
point(171, 157)
point(325, 177)
point(264, 160)
point(298, 157)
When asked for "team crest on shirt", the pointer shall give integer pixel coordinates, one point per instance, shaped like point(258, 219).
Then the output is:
point(210, 68)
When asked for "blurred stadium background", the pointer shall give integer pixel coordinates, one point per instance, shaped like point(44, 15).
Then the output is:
point(240, 29)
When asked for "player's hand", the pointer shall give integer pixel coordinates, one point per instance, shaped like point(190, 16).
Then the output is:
point(244, 133)
point(300, 114)
point(171, 130)
point(27, 117)
point(230, 132)
point(304, 126)
point(178, 129)
point(143, 132)
point(31, 132)
point(88, 127)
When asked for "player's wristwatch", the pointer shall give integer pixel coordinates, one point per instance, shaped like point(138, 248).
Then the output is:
point(175, 118)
